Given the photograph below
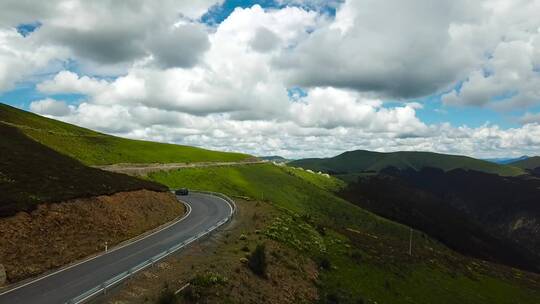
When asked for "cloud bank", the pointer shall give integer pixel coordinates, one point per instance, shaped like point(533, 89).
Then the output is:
point(294, 80)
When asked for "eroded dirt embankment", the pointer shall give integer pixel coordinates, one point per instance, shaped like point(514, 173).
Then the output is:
point(57, 234)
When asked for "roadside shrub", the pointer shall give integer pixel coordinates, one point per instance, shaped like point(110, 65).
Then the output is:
point(341, 296)
point(257, 261)
point(324, 263)
point(208, 279)
point(356, 256)
point(201, 286)
point(191, 294)
point(306, 218)
point(321, 229)
point(167, 296)
point(332, 298)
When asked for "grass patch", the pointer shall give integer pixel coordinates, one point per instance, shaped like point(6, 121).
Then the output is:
point(286, 190)
point(93, 148)
point(366, 255)
point(292, 230)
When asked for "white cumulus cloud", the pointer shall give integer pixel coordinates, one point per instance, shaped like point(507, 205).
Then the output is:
point(293, 81)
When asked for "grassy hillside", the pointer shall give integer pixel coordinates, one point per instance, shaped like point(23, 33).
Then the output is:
point(93, 148)
point(361, 161)
point(31, 173)
point(529, 163)
point(362, 257)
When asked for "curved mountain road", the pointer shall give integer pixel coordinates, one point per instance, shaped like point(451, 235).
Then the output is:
point(61, 286)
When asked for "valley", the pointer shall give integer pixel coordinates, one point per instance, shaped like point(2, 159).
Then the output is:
point(317, 229)
point(269, 152)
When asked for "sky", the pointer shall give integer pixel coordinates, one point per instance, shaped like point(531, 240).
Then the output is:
point(296, 78)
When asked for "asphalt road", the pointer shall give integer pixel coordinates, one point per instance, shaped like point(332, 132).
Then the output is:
point(59, 287)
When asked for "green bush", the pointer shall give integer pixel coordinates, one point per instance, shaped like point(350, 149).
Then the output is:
point(208, 279)
point(257, 261)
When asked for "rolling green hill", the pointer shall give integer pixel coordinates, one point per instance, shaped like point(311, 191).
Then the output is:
point(366, 255)
point(362, 161)
point(31, 173)
point(93, 148)
point(529, 163)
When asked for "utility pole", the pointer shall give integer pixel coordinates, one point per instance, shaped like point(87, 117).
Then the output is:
point(410, 242)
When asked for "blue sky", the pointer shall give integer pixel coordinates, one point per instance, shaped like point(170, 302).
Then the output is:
point(217, 13)
point(277, 79)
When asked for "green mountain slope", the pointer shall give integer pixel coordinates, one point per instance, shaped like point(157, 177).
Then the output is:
point(361, 161)
point(93, 148)
point(31, 173)
point(365, 256)
point(529, 163)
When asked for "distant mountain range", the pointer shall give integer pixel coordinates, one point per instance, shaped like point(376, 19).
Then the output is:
point(506, 160)
point(529, 163)
point(478, 207)
point(362, 161)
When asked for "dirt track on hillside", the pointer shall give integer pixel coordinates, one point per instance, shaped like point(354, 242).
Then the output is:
point(143, 169)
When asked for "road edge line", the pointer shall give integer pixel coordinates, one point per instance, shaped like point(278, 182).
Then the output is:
point(117, 247)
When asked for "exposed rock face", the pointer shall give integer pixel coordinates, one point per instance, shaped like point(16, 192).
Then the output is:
point(57, 234)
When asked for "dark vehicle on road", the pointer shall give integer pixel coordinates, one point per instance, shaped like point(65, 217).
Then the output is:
point(182, 191)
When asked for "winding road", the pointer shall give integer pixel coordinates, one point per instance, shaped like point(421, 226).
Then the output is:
point(59, 287)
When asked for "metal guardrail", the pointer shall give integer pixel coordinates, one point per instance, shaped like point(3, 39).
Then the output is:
point(102, 288)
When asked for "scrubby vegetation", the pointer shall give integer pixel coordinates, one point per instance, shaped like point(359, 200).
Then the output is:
point(93, 148)
point(479, 214)
point(31, 173)
point(197, 289)
point(362, 257)
point(167, 296)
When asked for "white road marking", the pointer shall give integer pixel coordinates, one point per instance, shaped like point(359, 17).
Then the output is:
point(101, 254)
